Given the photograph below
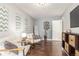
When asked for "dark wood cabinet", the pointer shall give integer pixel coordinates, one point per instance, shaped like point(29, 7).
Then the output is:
point(63, 44)
point(70, 43)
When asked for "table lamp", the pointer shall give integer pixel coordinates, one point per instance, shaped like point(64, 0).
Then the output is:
point(23, 35)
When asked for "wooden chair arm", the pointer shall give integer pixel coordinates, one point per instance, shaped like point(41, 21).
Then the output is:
point(18, 49)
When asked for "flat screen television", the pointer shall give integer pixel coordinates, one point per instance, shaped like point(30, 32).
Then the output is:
point(74, 17)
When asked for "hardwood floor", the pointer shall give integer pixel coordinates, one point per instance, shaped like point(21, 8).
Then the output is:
point(50, 48)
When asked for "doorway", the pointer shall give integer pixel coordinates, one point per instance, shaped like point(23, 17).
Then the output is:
point(57, 30)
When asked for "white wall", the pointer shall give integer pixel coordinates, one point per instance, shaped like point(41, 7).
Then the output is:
point(66, 20)
point(26, 21)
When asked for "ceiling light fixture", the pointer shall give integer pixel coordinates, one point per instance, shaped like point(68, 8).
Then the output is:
point(41, 4)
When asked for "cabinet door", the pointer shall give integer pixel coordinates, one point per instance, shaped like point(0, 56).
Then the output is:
point(76, 53)
point(66, 47)
point(72, 40)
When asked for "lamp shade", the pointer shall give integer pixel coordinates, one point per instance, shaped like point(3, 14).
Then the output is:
point(23, 35)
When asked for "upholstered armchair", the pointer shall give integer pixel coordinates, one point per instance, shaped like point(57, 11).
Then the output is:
point(33, 39)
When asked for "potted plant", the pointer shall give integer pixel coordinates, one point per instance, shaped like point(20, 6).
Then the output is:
point(46, 28)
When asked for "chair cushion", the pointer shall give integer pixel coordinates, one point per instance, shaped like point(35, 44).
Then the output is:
point(9, 45)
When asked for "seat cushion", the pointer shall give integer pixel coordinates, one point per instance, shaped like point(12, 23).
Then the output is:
point(9, 45)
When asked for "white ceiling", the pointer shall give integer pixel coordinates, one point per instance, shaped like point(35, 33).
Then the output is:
point(50, 10)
